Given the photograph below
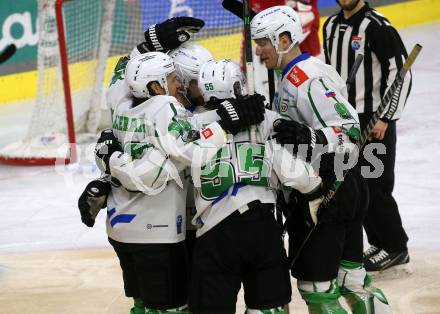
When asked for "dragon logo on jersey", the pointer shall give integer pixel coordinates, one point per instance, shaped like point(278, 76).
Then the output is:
point(120, 69)
point(356, 42)
point(342, 111)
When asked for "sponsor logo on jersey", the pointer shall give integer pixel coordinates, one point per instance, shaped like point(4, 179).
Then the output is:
point(356, 42)
point(179, 221)
point(342, 111)
point(150, 226)
point(284, 105)
point(297, 76)
point(330, 94)
point(207, 133)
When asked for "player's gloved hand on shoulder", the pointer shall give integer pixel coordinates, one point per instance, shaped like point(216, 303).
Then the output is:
point(92, 199)
point(293, 132)
point(107, 144)
point(240, 113)
point(171, 33)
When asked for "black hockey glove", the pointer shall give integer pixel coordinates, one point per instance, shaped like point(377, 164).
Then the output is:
point(292, 132)
point(242, 112)
point(309, 204)
point(171, 33)
point(92, 200)
point(107, 144)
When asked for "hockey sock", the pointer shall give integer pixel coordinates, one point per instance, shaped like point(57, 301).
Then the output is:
point(321, 297)
point(139, 307)
point(361, 296)
point(277, 310)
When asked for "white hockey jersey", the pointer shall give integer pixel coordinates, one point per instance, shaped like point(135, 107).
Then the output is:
point(158, 214)
point(243, 172)
point(313, 93)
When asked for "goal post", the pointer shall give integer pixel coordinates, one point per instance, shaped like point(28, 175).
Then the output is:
point(80, 42)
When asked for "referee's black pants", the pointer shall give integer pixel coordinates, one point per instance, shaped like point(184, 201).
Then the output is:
point(382, 223)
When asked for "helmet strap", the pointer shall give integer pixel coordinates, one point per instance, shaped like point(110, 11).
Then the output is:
point(282, 53)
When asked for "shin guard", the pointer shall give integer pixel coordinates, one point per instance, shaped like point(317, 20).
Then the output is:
point(139, 307)
point(360, 294)
point(179, 310)
point(321, 297)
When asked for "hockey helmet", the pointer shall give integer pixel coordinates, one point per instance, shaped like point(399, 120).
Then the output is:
point(188, 59)
point(146, 68)
point(274, 21)
point(221, 80)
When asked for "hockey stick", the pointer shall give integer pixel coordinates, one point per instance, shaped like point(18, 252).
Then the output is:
point(236, 8)
point(354, 69)
point(249, 61)
point(367, 132)
point(7, 53)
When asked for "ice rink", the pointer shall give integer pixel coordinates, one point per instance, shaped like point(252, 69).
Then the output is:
point(50, 263)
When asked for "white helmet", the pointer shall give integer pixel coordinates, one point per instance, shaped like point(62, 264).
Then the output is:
point(145, 68)
point(188, 59)
point(221, 79)
point(274, 21)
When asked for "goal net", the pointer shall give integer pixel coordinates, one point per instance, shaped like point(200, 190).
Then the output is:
point(80, 42)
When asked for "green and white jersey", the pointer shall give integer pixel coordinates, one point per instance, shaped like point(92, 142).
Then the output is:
point(243, 172)
point(161, 126)
point(313, 93)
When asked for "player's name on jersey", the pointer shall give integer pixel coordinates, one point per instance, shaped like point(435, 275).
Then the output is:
point(128, 124)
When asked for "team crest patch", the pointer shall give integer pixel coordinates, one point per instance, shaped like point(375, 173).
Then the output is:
point(297, 76)
point(356, 42)
point(342, 111)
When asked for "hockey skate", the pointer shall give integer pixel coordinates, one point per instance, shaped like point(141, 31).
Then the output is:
point(384, 265)
point(371, 251)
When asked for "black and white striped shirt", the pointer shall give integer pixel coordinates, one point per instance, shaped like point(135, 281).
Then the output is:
point(371, 34)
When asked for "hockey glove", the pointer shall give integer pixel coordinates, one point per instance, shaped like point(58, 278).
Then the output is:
point(107, 144)
point(310, 204)
point(171, 33)
point(92, 200)
point(292, 132)
point(242, 112)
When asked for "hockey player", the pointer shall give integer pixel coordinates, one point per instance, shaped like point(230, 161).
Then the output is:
point(188, 59)
point(239, 240)
point(312, 98)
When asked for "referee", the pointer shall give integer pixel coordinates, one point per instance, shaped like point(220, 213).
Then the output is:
point(359, 29)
